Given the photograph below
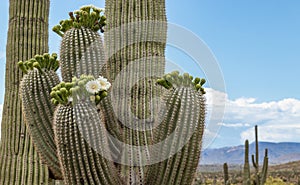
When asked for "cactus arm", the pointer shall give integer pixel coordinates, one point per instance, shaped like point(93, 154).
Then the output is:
point(81, 47)
point(246, 173)
point(181, 167)
point(37, 108)
point(81, 53)
point(173, 106)
point(79, 133)
point(253, 161)
point(195, 147)
point(108, 117)
point(81, 163)
point(265, 168)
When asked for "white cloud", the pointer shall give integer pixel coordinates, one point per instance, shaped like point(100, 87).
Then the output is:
point(279, 121)
point(234, 125)
point(215, 101)
point(284, 130)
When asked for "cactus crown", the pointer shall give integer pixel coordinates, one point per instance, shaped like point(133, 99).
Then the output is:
point(174, 79)
point(41, 62)
point(87, 16)
point(84, 88)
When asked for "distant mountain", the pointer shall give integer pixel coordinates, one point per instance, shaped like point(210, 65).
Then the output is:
point(279, 153)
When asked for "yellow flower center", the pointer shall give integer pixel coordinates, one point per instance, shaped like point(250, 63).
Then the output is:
point(102, 83)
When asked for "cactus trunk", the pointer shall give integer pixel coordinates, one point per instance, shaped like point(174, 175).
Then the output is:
point(135, 54)
point(27, 36)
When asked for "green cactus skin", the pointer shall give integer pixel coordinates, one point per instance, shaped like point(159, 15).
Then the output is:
point(226, 176)
point(134, 40)
point(186, 107)
point(80, 162)
point(38, 111)
point(81, 52)
point(27, 36)
point(246, 173)
point(108, 117)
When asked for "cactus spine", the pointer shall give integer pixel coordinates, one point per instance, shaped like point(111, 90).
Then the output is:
point(27, 36)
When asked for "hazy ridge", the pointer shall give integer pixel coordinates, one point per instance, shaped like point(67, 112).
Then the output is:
point(279, 153)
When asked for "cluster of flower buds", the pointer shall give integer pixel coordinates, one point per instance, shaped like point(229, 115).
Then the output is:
point(85, 88)
point(174, 79)
point(40, 62)
point(88, 17)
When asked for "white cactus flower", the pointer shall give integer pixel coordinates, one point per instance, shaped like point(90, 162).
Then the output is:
point(93, 86)
point(105, 85)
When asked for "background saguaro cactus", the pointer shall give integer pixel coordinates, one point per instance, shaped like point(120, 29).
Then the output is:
point(226, 176)
point(246, 174)
point(27, 36)
point(260, 177)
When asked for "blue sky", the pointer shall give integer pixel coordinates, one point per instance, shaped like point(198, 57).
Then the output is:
point(256, 44)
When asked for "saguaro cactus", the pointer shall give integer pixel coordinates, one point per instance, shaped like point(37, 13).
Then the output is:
point(147, 127)
point(246, 174)
point(260, 177)
point(27, 36)
point(226, 176)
